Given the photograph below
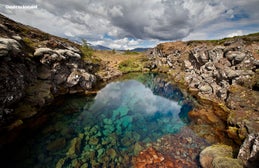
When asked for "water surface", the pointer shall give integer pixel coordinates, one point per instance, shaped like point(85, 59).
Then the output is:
point(107, 129)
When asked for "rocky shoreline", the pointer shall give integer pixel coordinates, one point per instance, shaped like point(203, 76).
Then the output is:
point(222, 77)
point(35, 68)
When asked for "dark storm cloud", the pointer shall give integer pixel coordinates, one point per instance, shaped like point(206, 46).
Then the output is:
point(157, 20)
point(145, 19)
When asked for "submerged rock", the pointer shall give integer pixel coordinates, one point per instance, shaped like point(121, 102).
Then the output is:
point(150, 157)
point(75, 147)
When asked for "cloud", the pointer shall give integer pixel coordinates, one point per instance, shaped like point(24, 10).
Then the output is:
point(124, 43)
point(237, 33)
point(135, 95)
point(134, 19)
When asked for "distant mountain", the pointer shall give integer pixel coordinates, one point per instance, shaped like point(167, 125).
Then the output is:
point(99, 47)
point(140, 49)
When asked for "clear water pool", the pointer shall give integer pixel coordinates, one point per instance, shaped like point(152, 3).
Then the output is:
point(106, 129)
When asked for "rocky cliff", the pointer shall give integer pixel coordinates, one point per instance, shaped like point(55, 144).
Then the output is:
point(223, 76)
point(35, 67)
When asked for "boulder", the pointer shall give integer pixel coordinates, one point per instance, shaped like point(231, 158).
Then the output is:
point(17, 38)
point(216, 53)
point(256, 63)
point(230, 73)
point(218, 156)
point(210, 66)
point(87, 81)
point(204, 57)
point(187, 65)
point(41, 51)
point(225, 162)
point(235, 56)
point(60, 73)
point(8, 45)
point(205, 88)
point(249, 151)
point(48, 56)
point(68, 53)
point(73, 78)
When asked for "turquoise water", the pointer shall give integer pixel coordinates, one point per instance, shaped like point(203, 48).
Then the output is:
point(106, 129)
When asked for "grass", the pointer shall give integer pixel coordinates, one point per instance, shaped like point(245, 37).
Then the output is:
point(134, 62)
point(29, 42)
point(214, 42)
point(128, 52)
point(87, 53)
point(130, 65)
point(248, 38)
point(123, 61)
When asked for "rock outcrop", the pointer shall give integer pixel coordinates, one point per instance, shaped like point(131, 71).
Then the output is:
point(223, 77)
point(249, 151)
point(34, 68)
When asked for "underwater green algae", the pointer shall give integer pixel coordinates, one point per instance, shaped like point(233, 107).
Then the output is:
point(110, 128)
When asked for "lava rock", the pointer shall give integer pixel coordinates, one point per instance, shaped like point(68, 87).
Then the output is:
point(8, 45)
point(249, 151)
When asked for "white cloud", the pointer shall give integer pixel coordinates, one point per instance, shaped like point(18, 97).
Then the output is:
point(147, 101)
point(145, 20)
point(236, 33)
point(121, 44)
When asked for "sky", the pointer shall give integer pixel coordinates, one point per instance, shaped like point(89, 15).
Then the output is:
point(128, 24)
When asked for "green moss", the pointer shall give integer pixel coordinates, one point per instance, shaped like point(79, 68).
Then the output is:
point(28, 42)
